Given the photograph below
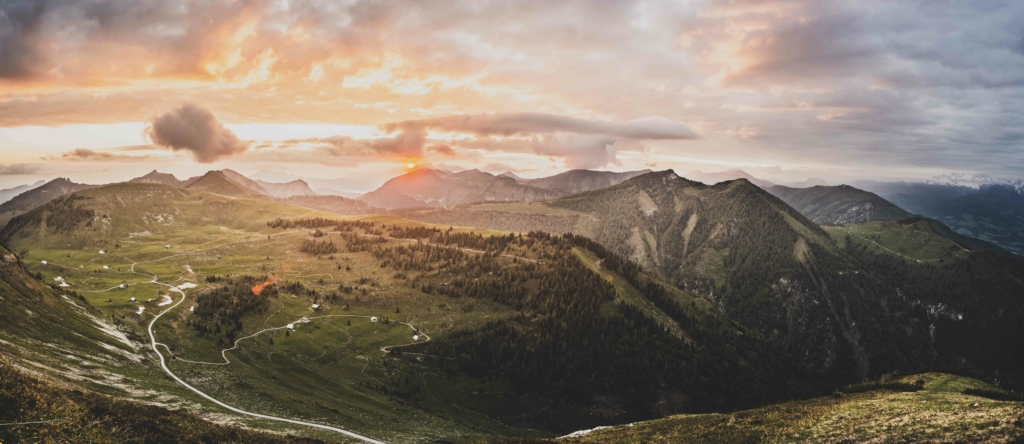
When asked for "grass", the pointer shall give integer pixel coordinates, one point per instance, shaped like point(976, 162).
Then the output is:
point(325, 371)
point(36, 411)
point(695, 307)
point(914, 242)
point(938, 412)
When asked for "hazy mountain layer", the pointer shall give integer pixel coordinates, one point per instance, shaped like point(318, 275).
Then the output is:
point(9, 193)
point(287, 189)
point(38, 196)
point(435, 188)
point(838, 205)
point(992, 212)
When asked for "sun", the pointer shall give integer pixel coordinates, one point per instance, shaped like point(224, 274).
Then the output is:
point(410, 165)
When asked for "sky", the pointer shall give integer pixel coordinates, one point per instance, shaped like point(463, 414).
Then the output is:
point(347, 94)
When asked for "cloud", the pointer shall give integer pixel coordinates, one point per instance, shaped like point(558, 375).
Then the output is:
point(15, 169)
point(408, 143)
point(897, 85)
point(524, 123)
point(442, 149)
point(579, 151)
point(580, 143)
point(499, 168)
point(20, 52)
point(85, 154)
point(194, 129)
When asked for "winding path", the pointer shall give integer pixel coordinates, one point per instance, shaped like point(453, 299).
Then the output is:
point(163, 364)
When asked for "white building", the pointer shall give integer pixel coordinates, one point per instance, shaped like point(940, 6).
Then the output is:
point(44, 262)
point(316, 306)
point(373, 319)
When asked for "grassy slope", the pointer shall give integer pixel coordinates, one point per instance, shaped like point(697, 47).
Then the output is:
point(328, 371)
point(940, 412)
point(35, 411)
point(914, 242)
point(695, 307)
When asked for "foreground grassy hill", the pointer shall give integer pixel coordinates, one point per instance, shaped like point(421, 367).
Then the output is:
point(32, 410)
point(933, 407)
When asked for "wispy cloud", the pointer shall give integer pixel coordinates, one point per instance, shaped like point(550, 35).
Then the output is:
point(15, 169)
point(85, 154)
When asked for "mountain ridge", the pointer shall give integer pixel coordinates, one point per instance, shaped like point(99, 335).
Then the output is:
point(426, 187)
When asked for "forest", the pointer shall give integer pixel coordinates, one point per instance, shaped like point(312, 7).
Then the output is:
point(573, 340)
point(219, 312)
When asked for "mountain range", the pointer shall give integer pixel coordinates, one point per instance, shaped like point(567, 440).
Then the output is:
point(427, 187)
point(838, 205)
point(38, 196)
point(632, 299)
point(772, 269)
point(993, 212)
point(9, 193)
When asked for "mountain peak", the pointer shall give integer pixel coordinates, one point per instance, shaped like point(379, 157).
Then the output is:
point(158, 177)
point(297, 187)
